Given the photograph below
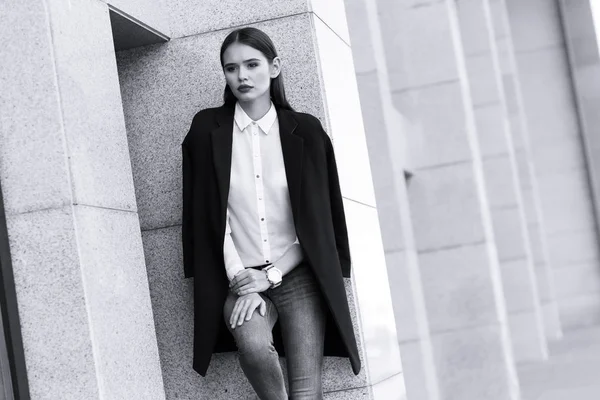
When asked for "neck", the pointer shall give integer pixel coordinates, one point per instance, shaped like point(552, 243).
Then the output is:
point(257, 108)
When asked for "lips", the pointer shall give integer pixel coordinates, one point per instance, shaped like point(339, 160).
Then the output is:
point(244, 88)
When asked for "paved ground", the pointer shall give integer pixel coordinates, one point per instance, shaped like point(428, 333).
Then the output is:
point(571, 373)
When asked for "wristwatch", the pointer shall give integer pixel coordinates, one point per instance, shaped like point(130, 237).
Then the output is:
point(274, 275)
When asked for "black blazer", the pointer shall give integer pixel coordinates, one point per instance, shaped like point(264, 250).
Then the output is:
point(318, 214)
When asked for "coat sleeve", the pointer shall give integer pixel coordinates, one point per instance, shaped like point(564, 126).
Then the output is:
point(187, 233)
point(337, 208)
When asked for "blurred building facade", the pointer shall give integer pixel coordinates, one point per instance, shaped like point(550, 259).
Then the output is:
point(467, 140)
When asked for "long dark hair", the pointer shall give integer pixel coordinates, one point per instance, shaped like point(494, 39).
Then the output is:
point(262, 42)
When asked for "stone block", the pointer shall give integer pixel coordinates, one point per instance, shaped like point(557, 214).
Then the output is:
point(438, 136)
point(372, 296)
point(547, 95)
point(33, 166)
point(527, 337)
point(55, 324)
point(430, 50)
point(345, 117)
point(509, 233)
point(475, 363)
point(190, 17)
point(572, 247)
point(520, 286)
point(333, 14)
point(500, 182)
point(535, 24)
point(580, 312)
point(458, 288)
point(445, 207)
point(577, 280)
point(118, 303)
point(419, 371)
point(100, 168)
point(565, 200)
point(491, 131)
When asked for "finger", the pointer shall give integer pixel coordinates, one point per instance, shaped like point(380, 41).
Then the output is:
point(251, 310)
point(236, 278)
point(243, 312)
point(241, 282)
point(234, 314)
point(263, 308)
point(247, 289)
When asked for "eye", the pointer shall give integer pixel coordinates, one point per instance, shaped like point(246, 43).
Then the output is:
point(230, 69)
point(253, 64)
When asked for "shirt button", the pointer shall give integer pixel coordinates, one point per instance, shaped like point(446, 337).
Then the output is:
point(258, 176)
point(262, 219)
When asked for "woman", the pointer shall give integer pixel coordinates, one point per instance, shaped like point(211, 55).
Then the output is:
point(264, 231)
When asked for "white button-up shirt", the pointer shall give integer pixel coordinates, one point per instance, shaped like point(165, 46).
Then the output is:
point(260, 227)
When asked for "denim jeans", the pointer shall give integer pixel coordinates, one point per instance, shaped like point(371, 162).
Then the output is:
point(299, 306)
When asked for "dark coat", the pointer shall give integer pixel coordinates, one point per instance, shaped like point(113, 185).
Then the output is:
point(318, 214)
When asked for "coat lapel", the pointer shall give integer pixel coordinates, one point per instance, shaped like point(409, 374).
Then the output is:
point(222, 139)
point(292, 147)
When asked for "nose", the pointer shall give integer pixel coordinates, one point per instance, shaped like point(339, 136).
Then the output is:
point(242, 74)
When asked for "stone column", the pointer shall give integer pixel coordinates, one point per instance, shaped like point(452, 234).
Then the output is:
point(75, 241)
point(559, 158)
point(527, 177)
point(385, 132)
point(454, 236)
point(581, 38)
point(163, 86)
point(501, 180)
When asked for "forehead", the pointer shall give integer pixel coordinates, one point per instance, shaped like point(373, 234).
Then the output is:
point(238, 52)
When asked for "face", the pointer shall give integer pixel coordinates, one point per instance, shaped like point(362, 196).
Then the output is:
point(248, 72)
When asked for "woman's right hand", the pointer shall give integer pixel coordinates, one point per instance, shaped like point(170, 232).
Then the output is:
point(244, 308)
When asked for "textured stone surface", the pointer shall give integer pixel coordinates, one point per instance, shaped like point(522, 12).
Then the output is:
point(32, 146)
point(91, 105)
point(52, 310)
point(473, 364)
point(446, 199)
point(571, 372)
point(118, 303)
point(191, 17)
point(437, 117)
point(403, 27)
point(153, 13)
point(457, 293)
point(527, 336)
point(164, 85)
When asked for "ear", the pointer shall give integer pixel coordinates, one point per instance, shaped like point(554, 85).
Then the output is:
point(275, 67)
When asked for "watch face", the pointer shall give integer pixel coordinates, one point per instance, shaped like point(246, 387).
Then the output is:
point(274, 275)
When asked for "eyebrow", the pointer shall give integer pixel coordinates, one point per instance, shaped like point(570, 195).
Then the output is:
point(246, 61)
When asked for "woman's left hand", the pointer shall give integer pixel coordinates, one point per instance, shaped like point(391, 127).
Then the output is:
point(249, 281)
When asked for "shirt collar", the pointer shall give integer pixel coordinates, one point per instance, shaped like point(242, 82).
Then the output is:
point(243, 120)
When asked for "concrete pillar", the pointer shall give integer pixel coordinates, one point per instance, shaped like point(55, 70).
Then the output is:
point(527, 177)
point(501, 180)
point(163, 86)
point(559, 158)
point(75, 242)
point(454, 236)
point(385, 132)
